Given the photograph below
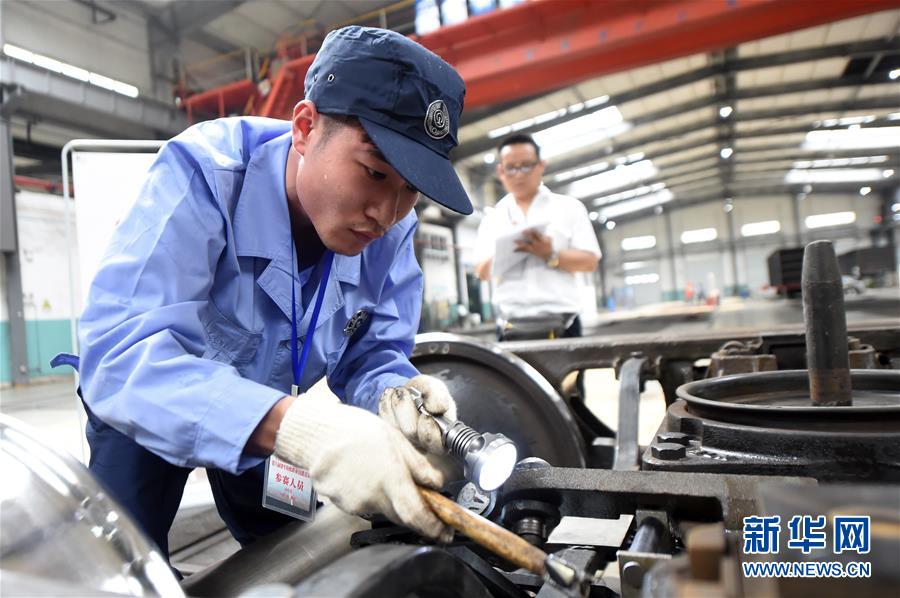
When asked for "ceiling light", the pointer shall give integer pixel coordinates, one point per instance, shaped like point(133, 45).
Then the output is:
point(833, 219)
point(598, 101)
point(865, 190)
point(489, 158)
point(576, 173)
point(649, 278)
point(725, 111)
point(580, 132)
point(726, 152)
point(620, 176)
point(700, 235)
point(642, 242)
point(888, 173)
point(895, 207)
point(69, 70)
point(610, 224)
point(593, 216)
point(894, 74)
point(765, 227)
point(637, 204)
point(825, 162)
point(636, 265)
point(846, 139)
point(832, 175)
point(547, 116)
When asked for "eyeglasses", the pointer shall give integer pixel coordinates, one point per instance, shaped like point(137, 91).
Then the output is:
point(523, 168)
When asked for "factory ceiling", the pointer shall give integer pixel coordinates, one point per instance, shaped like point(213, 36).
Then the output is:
point(815, 107)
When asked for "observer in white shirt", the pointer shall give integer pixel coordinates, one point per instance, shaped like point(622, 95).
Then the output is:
point(544, 282)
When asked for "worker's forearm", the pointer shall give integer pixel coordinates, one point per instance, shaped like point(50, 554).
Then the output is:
point(483, 269)
point(575, 260)
point(262, 441)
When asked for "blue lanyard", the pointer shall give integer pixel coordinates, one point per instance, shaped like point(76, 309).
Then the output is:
point(299, 364)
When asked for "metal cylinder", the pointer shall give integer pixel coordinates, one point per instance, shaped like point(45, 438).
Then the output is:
point(458, 438)
point(647, 537)
point(827, 359)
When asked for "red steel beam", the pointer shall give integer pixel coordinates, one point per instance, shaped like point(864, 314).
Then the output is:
point(543, 45)
point(27, 181)
point(231, 97)
point(287, 88)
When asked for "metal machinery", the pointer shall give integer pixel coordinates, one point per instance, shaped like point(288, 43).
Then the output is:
point(799, 420)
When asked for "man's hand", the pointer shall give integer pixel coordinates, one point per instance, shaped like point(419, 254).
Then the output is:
point(397, 407)
point(360, 463)
point(535, 243)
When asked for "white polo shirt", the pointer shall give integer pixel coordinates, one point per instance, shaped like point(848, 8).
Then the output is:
point(531, 287)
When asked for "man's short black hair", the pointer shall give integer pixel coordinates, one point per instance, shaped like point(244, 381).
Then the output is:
point(334, 122)
point(520, 138)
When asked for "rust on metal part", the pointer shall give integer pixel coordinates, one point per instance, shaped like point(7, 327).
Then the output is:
point(498, 540)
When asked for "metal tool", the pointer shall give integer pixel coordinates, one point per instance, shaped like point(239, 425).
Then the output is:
point(506, 544)
point(488, 459)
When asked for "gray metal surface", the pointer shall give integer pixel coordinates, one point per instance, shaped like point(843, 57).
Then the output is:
point(764, 423)
point(395, 570)
point(627, 455)
point(785, 393)
point(286, 556)
point(826, 326)
point(59, 525)
point(555, 359)
point(600, 492)
point(498, 392)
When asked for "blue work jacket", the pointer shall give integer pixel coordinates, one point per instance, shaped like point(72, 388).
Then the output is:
point(185, 339)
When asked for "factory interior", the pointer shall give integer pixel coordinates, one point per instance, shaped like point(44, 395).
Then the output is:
point(680, 308)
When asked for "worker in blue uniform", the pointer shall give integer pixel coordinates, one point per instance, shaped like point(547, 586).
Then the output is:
point(260, 256)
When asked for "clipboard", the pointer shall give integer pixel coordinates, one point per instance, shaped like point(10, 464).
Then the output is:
point(505, 254)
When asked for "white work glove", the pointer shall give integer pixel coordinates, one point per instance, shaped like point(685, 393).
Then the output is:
point(396, 406)
point(360, 463)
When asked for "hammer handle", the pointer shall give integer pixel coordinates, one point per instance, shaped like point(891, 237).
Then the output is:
point(498, 540)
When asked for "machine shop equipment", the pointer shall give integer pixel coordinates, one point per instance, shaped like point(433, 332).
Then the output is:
point(746, 434)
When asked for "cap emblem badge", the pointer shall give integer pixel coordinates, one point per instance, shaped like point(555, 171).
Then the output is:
point(437, 120)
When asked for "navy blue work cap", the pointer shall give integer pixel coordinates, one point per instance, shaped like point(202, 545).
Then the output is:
point(406, 98)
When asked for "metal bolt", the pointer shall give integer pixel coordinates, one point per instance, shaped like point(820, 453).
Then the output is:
point(668, 451)
point(633, 574)
point(676, 437)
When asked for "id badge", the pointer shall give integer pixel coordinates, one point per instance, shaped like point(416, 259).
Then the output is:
point(289, 490)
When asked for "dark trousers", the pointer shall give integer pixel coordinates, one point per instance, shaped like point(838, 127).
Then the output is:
point(574, 330)
point(150, 488)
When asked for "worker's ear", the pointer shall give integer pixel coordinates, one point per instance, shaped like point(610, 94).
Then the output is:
point(304, 121)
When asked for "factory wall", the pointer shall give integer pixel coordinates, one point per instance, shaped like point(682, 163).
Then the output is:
point(44, 258)
point(643, 276)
